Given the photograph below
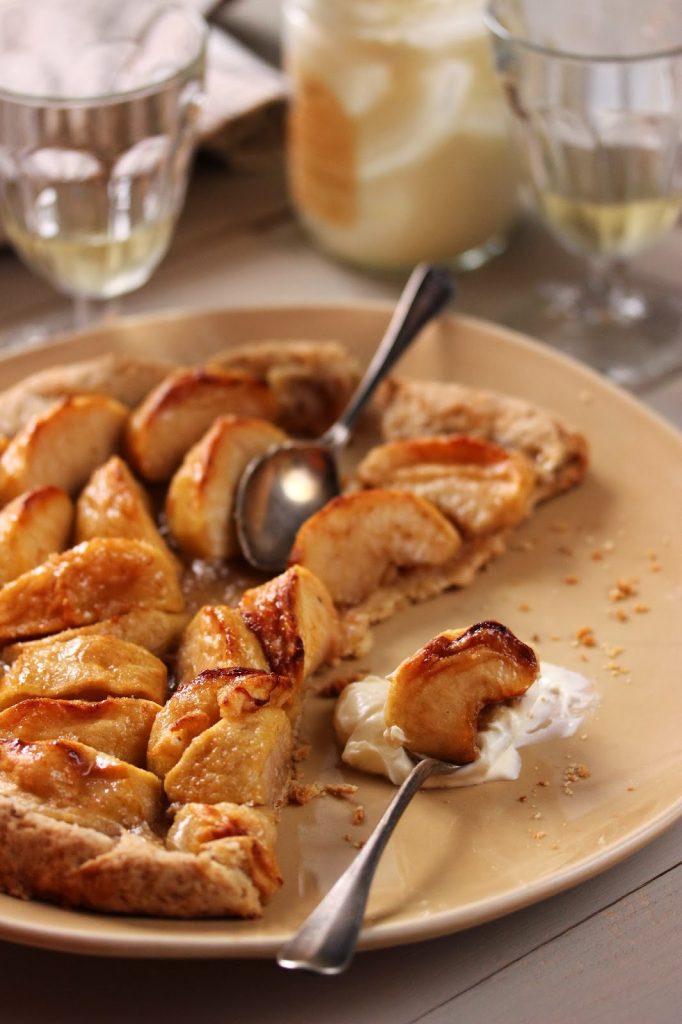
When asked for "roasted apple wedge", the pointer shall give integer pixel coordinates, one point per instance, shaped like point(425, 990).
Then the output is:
point(118, 376)
point(86, 667)
point(217, 637)
point(360, 540)
point(75, 782)
point(113, 504)
point(246, 759)
point(478, 485)
point(410, 408)
point(295, 621)
point(33, 526)
point(231, 834)
point(156, 631)
point(436, 696)
point(197, 705)
point(62, 445)
point(311, 380)
point(200, 499)
point(177, 413)
point(96, 580)
point(119, 726)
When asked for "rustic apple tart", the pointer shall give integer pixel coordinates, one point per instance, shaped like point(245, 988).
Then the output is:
point(146, 733)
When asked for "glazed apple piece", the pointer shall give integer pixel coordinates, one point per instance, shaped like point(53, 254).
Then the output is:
point(295, 621)
point(157, 631)
point(177, 413)
point(62, 445)
point(73, 781)
point(200, 703)
point(113, 504)
point(119, 726)
point(477, 485)
point(360, 540)
point(217, 637)
point(120, 377)
point(33, 526)
point(231, 834)
point(246, 759)
point(200, 499)
point(86, 667)
point(311, 380)
point(436, 696)
point(96, 580)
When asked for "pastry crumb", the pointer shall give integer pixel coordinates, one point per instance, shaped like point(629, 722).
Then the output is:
point(340, 790)
point(641, 608)
point(301, 793)
point(571, 580)
point(585, 636)
point(538, 835)
point(357, 843)
point(358, 815)
point(524, 606)
point(301, 753)
point(335, 687)
point(623, 589)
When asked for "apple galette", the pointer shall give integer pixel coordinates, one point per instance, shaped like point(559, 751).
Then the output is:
point(147, 723)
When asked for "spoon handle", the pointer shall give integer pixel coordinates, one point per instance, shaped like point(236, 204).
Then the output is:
point(325, 942)
point(427, 291)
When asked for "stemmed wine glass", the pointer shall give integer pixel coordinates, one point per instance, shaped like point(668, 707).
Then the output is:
point(98, 104)
point(596, 95)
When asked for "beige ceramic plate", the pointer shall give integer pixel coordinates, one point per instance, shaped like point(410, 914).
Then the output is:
point(463, 857)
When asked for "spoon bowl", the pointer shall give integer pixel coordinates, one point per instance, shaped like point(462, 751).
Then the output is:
point(279, 490)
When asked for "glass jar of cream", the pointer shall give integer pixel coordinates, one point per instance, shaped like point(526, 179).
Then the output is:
point(398, 143)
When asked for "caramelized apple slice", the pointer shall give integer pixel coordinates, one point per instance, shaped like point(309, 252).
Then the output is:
point(96, 580)
point(233, 835)
point(119, 726)
point(78, 783)
point(156, 631)
point(217, 637)
point(62, 445)
point(120, 377)
point(181, 409)
point(359, 540)
point(86, 667)
point(33, 526)
point(437, 695)
point(197, 705)
point(114, 505)
point(240, 760)
point(295, 621)
point(311, 380)
point(477, 485)
point(200, 498)
point(411, 408)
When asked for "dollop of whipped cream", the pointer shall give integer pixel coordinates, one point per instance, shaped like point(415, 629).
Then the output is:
point(554, 706)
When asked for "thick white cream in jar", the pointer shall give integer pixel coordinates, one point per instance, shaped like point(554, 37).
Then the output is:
point(399, 147)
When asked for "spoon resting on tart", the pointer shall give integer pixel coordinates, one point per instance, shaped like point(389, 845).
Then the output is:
point(146, 732)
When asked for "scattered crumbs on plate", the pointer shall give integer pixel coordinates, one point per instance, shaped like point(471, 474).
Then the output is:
point(574, 773)
point(357, 843)
point(538, 834)
point(620, 615)
point(641, 608)
point(565, 549)
point(524, 606)
point(584, 637)
point(571, 580)
point(623, 589)
point(301, 793)
point(340, 790)
point(358, 815)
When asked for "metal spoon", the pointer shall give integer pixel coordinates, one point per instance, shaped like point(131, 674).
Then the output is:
point(279, 490)
point(325, 943)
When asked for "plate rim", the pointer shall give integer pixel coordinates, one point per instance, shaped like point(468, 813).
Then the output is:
point(384, 934)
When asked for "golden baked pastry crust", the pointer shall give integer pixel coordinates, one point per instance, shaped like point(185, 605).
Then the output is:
point(83, 820)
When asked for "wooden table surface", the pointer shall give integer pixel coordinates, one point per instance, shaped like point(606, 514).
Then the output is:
point(606, 951)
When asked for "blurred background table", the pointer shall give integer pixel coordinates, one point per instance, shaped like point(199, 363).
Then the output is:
point(606, 951)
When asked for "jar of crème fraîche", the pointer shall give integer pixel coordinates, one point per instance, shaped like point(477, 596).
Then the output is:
point(398, 144)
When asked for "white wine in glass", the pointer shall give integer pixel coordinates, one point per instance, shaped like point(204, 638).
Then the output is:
point(98, 104)
point(596, 91)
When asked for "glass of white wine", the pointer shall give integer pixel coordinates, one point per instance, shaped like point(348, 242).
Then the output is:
point(98, 105)
point(596, 93)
